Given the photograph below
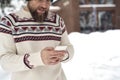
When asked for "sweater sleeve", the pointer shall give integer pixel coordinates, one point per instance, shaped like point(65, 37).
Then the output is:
point(65, 42)
point(70, 50)
point(9, 59)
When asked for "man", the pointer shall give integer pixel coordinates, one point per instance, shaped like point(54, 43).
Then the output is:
point(27, 43)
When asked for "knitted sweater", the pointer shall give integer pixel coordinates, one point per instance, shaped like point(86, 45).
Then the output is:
point(21, 42)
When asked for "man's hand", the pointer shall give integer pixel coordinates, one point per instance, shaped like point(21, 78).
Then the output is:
point(51, 56)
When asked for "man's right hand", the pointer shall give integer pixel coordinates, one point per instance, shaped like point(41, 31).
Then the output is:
point(51, 57)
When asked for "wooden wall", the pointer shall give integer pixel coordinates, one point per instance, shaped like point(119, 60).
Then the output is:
point(70, 13)
point(117, 2)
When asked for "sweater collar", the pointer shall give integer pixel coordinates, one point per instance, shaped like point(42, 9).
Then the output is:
point(26, 12)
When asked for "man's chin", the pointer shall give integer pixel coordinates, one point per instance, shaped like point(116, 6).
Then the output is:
point(41, 12)
point(39, 17)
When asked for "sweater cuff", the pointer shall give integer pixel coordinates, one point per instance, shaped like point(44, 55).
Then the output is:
point(66, 57)
point(33, 60)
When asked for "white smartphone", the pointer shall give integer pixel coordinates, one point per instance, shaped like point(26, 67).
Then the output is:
point(59, 48)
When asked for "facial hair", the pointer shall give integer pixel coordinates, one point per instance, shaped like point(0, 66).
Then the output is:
point(38, 17)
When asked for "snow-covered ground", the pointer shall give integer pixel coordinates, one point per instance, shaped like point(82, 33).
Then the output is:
point(97, 57)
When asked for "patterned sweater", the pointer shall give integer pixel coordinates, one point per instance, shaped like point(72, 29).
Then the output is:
point(21, 42)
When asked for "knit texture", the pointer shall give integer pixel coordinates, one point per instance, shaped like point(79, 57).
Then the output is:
point(22, 40)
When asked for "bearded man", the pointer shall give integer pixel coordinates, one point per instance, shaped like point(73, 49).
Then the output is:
point(27, 43)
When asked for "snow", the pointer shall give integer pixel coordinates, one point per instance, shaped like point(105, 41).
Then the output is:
point(96, 57)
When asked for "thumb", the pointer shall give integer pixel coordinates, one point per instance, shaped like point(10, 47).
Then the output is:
point(49, 48)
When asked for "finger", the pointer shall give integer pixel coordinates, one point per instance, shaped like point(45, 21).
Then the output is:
point(63, 51)
point(49, 48)
point(60, 57)
point(57, 53)
point(53, 62)
point(53, 59)
point(60, 54)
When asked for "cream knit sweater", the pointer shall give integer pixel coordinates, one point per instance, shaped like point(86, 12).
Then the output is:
point(21, 42)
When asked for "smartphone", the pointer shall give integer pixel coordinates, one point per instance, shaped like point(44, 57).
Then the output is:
point(59, 48)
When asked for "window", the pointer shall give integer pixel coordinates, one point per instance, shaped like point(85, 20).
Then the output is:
point(97, 15)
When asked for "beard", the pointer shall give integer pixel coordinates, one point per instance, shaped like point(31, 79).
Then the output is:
point(38, 17)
